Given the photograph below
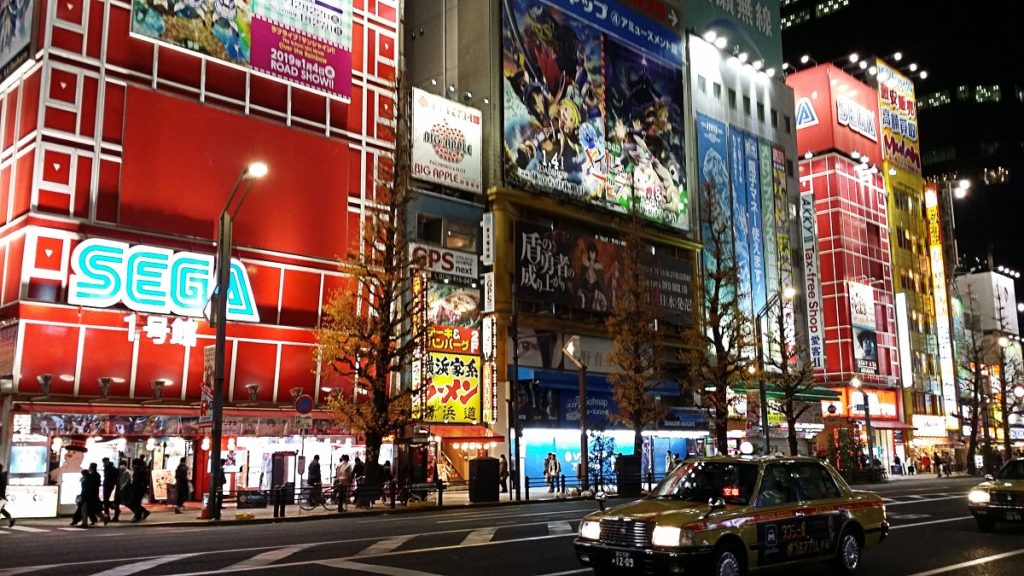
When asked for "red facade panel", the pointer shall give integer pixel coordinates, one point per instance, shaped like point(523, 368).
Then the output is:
point(255, 363)
point(835, 111)
point(54, 351)
point(106, 353)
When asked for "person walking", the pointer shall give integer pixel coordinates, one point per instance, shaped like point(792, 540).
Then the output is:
point(503, 473)
point(123, 490)
point(3, 497)
point(180, 486)
point(314, 480)
point(552, 470)
point(343, 482)
point(109, 484)
point(937, 462)
point(140, 487)
point(88, 499)
point(96, 509)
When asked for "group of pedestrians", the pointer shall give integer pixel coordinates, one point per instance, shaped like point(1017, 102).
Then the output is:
point(120, 486)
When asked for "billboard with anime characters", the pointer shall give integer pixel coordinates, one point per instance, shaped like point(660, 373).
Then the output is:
point(593, 107)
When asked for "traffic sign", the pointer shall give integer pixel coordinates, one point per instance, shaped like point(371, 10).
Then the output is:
point(304, 404)
point(303, 422)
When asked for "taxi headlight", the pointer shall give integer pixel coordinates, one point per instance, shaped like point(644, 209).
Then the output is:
point(978, 497)
point(672, 536)
point(590, 530)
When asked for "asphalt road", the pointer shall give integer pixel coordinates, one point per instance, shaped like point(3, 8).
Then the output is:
point(932, 533)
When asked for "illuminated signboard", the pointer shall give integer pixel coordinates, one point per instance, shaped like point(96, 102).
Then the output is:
point(931, 204)
point(812, 282)
point(106, 273)
point(446, 143)
point(897, 111)
point(862, 320)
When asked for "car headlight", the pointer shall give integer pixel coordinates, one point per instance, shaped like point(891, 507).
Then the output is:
point(590, 530)
point(978, 497)
point(672, 536)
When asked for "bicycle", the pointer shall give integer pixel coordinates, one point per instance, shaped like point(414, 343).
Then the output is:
point(319, 496)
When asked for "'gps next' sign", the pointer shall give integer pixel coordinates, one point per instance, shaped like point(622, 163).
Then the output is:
point(106, 273)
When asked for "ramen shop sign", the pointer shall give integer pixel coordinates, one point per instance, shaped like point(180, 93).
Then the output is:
point(106, 273)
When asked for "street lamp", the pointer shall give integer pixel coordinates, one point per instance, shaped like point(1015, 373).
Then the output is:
point(219, 317)
point(856, 383)
point(571, 349)
point(787, 293)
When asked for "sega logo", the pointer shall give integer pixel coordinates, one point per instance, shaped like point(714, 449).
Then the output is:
point(106, 273)
point(443, 261)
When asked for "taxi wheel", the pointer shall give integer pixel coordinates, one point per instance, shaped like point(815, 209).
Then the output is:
point(848, 555)
point(729, 561)
point(985, 524)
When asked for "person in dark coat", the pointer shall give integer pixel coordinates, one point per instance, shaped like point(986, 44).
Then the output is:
point(3, 497)
point(123, 492)
point(180, 486)
point(140, 486)
point(96, 508)
point(503, 473)
point(110, 475)
point(314, 479)
point(86, 511)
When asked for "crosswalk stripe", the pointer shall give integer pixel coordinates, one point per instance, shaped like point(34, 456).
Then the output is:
point(385, 546)
point(71, 528)
point(27, 529)
point(479, 536)
point(346, 564)
point(268, 557)
point(137, 567)
point(559, 528)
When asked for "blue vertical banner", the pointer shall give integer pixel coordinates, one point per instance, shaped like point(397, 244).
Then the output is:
point(740, 224)
point(758, 291)
point(713, 171)
point(771, 249)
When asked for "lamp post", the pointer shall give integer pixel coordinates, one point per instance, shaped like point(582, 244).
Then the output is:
point(516, 428)
point(219, 317)
point(571, 349)
point(856, 383)
point(1004, 343)
point(787, 293)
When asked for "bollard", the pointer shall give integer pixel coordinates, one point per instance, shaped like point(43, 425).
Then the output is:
point(393, 489)
point(281, 499)
point(526, 483)
point(440, 493)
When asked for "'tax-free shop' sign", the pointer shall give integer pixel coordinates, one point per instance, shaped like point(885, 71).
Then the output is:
point(446, 142)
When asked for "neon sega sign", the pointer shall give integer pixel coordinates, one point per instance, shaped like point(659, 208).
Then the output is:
point(105, 273)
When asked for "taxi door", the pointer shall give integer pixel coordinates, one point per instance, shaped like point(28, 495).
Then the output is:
point(779, 523)
point(821, 502)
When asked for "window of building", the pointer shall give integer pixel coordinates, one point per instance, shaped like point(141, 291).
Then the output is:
point(732, 98)
point(775, 119)
point(996, 175)
point(702, 84)
point(717, 90)
point(786, 123)
point(453, 234)
point(760, 112)
point(963, 92)
point(984, 94)
point(798, 17)
point(932, 101)
point(746, 105)
point(789, 168)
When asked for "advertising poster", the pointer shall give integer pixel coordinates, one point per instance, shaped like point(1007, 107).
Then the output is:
point(783, 242)
point(741, 233)
point(754, 25)
point(446, 142)
point(713, 179)
point(942, 299)
point(453, 364)
point(15, 35)
point(897, 115)
point(592, 106)
point(307, 42)
point(812, 282)
point(453, 394)
point(862, 318)
point(758, 288)
point(771, 247)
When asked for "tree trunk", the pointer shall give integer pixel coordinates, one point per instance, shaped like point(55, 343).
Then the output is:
point(721, 430)
point(373, 442)
point(972, 440)
point(791, 419)
point(638, 441)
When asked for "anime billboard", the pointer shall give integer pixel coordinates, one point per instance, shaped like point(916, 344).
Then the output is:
point(593, 109)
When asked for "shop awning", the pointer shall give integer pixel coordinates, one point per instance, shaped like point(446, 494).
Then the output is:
point(467, 432)
point(886, 424)
point(810, 395)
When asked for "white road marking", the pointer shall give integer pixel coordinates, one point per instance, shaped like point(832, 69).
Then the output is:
point(574, 513)
point(385, 546)
point(136, 567)
point(567, 572)
point(372, 568)
point(968, 564)
point(480, 536)
point(268, 557)
point(559, 528)
point(929, 522)
point(895, 516)
point(71, 528)
point(27, 529)
point(903, 503)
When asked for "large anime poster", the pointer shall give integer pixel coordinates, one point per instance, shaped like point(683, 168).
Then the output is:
point(713, 174)
point(757, 278)
point(741, 232)
point(592, 109)
point(643, 102)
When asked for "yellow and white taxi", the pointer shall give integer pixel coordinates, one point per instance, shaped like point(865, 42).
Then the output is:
point(1000, 498)
point(726, 515)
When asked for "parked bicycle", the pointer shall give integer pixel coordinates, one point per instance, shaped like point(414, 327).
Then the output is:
point(324, 497)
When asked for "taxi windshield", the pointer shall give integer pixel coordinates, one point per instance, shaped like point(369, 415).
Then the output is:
point(1012, 471)
point(698, 481)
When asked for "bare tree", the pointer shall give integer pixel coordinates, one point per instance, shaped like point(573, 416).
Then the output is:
point(973, 385)
point(1004, 387)
point(713, 351)
point(370, 331)
point(788, 372)
point(635, 349)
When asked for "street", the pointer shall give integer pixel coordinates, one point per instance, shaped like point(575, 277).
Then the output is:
point(932, 533)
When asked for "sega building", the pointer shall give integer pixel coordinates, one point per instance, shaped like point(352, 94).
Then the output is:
point(845, 202)
point(118, 150)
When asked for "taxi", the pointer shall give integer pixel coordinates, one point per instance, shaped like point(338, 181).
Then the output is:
point(1000, 498)
point(726, 515)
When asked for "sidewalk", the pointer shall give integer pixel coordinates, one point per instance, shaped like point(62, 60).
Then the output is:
point(163, 514)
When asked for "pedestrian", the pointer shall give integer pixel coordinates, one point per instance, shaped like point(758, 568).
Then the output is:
point(552, 470)
point(937, 462)
point(899, 464)
point(140, 487)
point(123, 491)
point(676, 460)
point(109, 484)
point(343, 482)
point(180, 486)
point(87, 500)
point(358, 469)
point(910, 467)
point(503, 473)
point(926, 464)
point(96, 508)
point(3, 497)
point(669, 461)
point(313, 479)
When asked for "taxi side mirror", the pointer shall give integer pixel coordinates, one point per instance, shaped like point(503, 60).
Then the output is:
point(601, 497)
point(716, 503)
point(989, 477)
